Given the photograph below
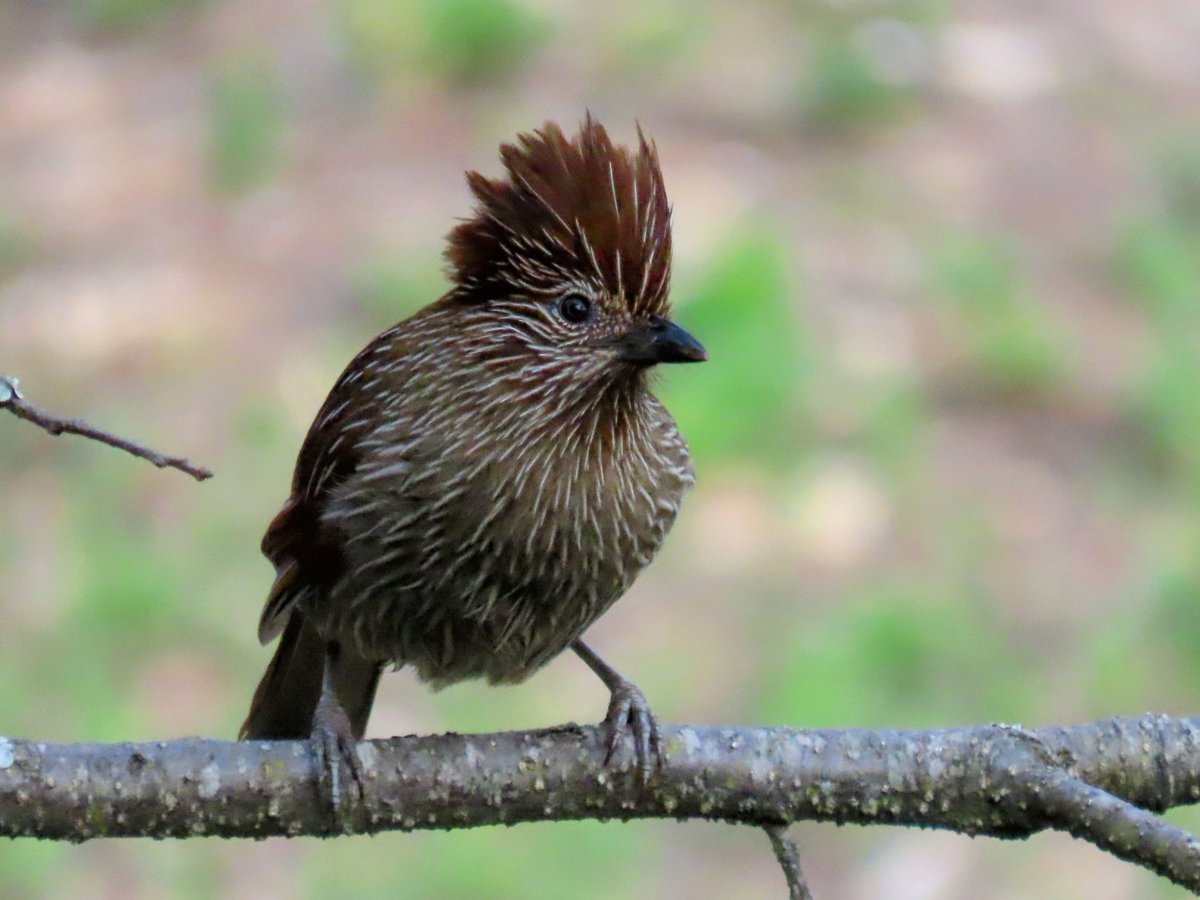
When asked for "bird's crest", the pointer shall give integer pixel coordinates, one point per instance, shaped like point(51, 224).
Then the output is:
point(578, 211)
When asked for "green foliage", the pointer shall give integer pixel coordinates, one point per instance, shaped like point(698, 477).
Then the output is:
point(890, 434)
point(579, 859)
point(246, 123)
point(472, 40)
point(749, 401)
point(392, 287)
point(1170, 404)
point(1179, 175)
point(893, 654)
point(1157, 263)
point(31, 865)
point(123, 595)
point(17, 243)
point(1172, 625)
point(463, 41)
point(650, 37)
point(125, 15)
point(864, 62)
point(1112, 685)
point(1006, 332)
point(843, 89)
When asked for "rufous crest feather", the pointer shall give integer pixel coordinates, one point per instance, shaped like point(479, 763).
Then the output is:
point(569, 209)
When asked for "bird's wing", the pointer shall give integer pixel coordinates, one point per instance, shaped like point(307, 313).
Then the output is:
point(306, 555)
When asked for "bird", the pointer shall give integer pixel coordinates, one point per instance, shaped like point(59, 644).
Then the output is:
point(487, 477)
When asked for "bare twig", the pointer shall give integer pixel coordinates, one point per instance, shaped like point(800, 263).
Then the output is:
point(988, 779)
point(11, 399)
point(1121, 828)
point(788, 854)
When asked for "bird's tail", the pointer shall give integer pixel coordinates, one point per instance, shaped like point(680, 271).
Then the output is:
point(286, 699)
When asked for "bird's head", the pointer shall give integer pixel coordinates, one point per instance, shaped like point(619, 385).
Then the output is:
point(565, 266)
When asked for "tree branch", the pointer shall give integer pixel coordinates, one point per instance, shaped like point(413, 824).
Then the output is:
point(1095, 781)
point(12, 400)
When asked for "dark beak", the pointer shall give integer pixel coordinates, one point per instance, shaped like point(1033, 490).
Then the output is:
point(662, 341)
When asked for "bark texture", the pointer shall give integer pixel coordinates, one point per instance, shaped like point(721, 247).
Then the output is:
point(1101, 782)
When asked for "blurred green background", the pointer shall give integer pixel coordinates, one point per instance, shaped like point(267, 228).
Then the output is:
point(946, 259)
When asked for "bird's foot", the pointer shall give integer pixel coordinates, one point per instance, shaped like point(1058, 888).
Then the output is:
point(629, 713)
point(335, 746)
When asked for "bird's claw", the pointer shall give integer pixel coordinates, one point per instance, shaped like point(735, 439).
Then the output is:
point(628, 712)
point(334, 745)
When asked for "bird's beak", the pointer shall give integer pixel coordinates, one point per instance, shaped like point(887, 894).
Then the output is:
point(661, 341)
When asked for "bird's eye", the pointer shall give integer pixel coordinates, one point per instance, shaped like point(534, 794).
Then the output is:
point(575, 308)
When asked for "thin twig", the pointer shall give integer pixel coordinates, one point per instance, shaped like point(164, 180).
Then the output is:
point(1121, 828)
point(11, 399)
point(788, 855)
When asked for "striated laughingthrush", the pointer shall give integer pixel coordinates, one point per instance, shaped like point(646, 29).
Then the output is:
point(488, 476)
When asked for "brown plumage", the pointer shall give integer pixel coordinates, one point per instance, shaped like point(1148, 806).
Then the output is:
point(487, 477)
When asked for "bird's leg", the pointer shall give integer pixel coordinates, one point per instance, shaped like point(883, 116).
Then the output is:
point(333, 738)
point(628, 712)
